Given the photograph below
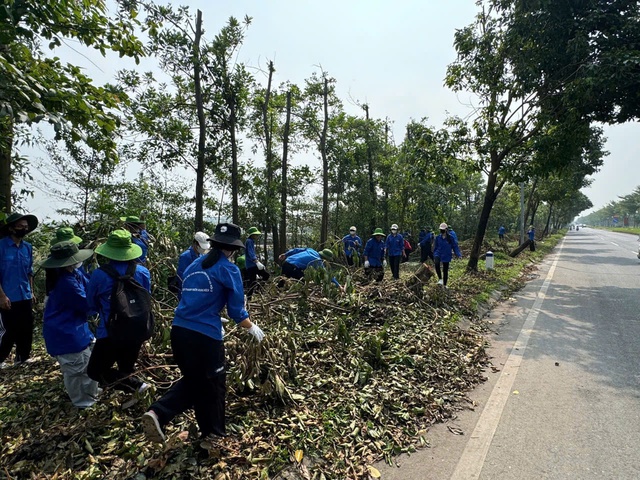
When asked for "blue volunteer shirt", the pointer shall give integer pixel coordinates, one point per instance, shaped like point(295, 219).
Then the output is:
point(351, 244)
point(65, 329)
point(394, 245)
point(205, 292)
point(186, 258)
point(443, 248)
point(303, 258)
point(250, 258)
point(16, 269)
point(100, 287)
point(425, 243)
point(374, 251)
point(143, 243)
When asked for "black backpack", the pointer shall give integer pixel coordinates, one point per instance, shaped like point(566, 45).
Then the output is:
point(130, 318)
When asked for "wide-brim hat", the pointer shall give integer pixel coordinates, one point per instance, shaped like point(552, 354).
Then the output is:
point(227, 235)
point(327, 254)
point(119, 247)
point(65, 234)
point(65, 253)
point(253, 231)
point(32, 221)
point(132, 219)
point(378, 231)
point(443, 226)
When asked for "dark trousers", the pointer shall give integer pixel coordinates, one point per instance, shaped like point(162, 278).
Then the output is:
point(203, 383)
point(16, 328)
point(394, 264)
point(425, 254)
point(350, 260)
point(291, 271)
point(444, 274)
point(252, 280)
point(532, 246)
point(107, 352)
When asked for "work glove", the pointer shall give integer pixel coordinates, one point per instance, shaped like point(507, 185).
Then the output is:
point(257, 332)
point(366, 264)
point(384, 263)
point(259, 265)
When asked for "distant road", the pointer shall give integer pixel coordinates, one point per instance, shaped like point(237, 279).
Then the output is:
point(565, 401)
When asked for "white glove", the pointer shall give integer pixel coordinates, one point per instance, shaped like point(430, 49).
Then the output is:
point(384, 263)
point(366, 264)
point(257, 332)
point(259, 265)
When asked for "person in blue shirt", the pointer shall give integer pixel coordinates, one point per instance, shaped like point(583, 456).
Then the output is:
point(121, 252)
point(65, 329)
point(211, 283)
point(16, 288)
point(444, 246)
point(501, 232)
point(139, 235)
point(452, 233)
point(394, 248)
point(352, 245)
point(252, 264)
point(374, 255)
point(532, 238)
point(425, 246)
point(199, 246)
point(297, 260)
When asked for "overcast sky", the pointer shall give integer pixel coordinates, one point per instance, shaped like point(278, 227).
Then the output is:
point(391, 55)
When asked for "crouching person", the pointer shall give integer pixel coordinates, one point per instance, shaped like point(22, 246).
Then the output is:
point(120, 292)
point(65, 329)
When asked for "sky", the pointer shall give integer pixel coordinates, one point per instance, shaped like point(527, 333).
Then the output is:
point(391, 55)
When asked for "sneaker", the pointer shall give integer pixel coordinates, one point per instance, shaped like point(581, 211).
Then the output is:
point(135, 398)
point(440, 282)
point(151, 427)
point(4, 365)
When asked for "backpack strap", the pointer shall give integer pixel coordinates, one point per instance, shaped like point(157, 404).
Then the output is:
point(110, 270)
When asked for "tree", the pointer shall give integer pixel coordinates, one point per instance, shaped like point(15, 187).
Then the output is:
point(36, 88)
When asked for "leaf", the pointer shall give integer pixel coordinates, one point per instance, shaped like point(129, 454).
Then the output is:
point(373, 471)
point(298, 455)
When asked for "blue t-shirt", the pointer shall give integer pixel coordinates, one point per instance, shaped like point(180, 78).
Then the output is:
point(205, 292)
point(100, 287)
point(250, 258)
point(351, 244)
point(443, 248)
point(143, 243)
point(501, 231)
point(303, 258)
point(374, 251)
point(65, 329)
point(532, 234)
point(16, 269)
point(394, 245)
point(425, 243)
point(186, 258)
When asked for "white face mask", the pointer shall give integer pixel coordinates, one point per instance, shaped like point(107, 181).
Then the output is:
point(202, 251)
point(77, 265)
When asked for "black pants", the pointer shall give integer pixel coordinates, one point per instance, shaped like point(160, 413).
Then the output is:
point(425, 253)
point(107, 352)
point(374, 272)
point(203, 383)
point(405, 258)
point(444, 274)
point(394, 264)
point(252, 283)
point(350, 260)
point(16, 328)
point(532, 246)
point(291, 271)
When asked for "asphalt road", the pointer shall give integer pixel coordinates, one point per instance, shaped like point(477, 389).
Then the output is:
point(564, 402)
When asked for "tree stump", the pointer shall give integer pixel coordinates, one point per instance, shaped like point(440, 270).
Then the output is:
point(421, 276)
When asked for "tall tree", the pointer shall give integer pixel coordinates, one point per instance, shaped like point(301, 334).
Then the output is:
point(35, 87)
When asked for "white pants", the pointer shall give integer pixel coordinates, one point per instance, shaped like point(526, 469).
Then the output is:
point(81, 389)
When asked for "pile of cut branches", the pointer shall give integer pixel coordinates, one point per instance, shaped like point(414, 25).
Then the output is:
point(340, 382)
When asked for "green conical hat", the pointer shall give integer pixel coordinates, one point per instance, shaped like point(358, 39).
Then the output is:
point(327, 254)
point(253, 231)
point(64, 254)
point(378, 231)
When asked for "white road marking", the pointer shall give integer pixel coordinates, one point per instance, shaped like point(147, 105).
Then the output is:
point(614, 243)
point(472, 459)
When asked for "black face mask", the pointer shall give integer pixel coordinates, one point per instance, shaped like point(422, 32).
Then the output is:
point(20, 232)
point(442, 231)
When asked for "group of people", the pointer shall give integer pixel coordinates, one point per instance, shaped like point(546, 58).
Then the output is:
point(118, 292)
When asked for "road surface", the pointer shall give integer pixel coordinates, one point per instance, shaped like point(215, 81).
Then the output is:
point(565, 403)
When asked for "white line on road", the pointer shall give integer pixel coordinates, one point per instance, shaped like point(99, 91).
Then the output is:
point(472, 459)
point(614, 243)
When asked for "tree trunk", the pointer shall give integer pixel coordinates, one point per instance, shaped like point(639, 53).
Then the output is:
point(532, 193)
point(372, 185)
point(6, 145)
point(200, 168)
point(235, 187)
point(283, 192)
point(270, 222)
point(490, 195)
point(546, 227)
point(324, 228)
